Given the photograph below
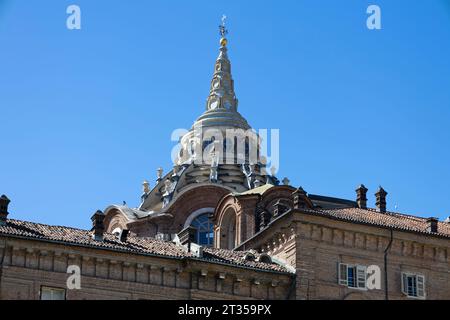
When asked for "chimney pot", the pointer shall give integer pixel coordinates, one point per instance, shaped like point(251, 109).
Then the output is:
point(361, 196)
point(381, 199)
point(432, 224)
point(4, 202)
point(97, 225)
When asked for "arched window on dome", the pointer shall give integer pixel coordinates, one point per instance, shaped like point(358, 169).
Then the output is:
point(228, 230)
point(205, 233)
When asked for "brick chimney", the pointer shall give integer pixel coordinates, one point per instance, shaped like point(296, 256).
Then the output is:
point(97, 225)
point(187, 236)
point(432, 224)
point(361, 196)
point(4, 202)
point(381, 199)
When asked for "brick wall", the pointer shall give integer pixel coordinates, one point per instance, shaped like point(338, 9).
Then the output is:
point(314, 246)
point(29, 264)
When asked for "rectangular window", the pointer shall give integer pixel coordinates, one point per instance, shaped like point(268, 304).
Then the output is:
point(352, 276)
point(49, 293)
point(413, 285)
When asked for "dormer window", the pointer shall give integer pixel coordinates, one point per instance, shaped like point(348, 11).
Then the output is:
point(116, 232)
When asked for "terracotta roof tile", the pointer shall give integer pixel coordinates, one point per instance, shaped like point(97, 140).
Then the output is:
point(84, 237)
point(136, 245)
point(385, 219)
point(237, 257)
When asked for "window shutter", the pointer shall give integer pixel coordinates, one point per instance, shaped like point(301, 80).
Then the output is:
point(361, 274)
point(404, 283)
point(420, 286)
point(342, 273)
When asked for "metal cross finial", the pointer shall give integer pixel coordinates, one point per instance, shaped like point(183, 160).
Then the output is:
point(224, 17)
point(223, 30)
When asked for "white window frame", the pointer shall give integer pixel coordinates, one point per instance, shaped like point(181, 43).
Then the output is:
point(52, 289)
point(196, 214)
point(358, 271)
point(419, 278)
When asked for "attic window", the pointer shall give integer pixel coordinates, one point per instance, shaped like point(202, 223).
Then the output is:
point(116, 232)
point(249, 256)
point(265, 258)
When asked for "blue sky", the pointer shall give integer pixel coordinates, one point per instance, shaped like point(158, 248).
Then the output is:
point(86, 115)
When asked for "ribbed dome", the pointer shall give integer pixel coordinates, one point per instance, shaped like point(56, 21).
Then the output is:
point(219, 118)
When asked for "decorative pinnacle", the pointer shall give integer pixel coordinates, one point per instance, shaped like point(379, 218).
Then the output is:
point(145, 186)
point(223, 32)
point(159, 173)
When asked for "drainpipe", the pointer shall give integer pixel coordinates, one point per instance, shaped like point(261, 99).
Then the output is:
point(2, 258)
point(292, 286)
point(386, 251)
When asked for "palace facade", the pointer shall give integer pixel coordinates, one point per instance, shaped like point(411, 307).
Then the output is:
point(216, 229)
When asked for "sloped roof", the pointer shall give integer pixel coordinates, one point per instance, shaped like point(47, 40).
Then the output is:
point(237, 257)
point(130, 213)
point(384, 219)
point(258, 190)
point(134, 245)
point(67, 235)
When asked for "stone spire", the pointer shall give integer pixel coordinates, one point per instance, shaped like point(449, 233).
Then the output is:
point(221, 94)
point(221, 104)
